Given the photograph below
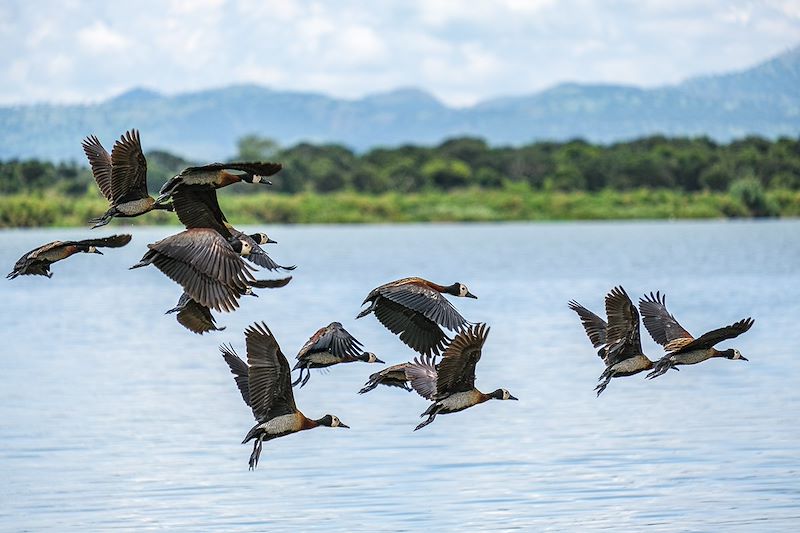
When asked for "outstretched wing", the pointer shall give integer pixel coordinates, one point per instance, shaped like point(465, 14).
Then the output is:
point(427, 301)
point(457, 368)
point(238, 369)
point(623, 340)
point(128, 168)
point(661, 325)
point(594, 326)
point(334, 339)
point(270, 386)
point(114, 241)
point(711, 338)
point(195, 317)
point(422, 374)
point(418, 332)
point(100, 162)
point(260, 168)
point(198, 207)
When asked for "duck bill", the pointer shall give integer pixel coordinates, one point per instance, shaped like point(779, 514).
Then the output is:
point(343, 426)
point(470, 295)
point(743, 358)
point(512, 397)
point(270, 241)
point(383, 362)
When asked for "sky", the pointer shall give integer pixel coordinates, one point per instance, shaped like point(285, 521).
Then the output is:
point(462, 52)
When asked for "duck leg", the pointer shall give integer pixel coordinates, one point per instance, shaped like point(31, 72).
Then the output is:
point(103, 220)
point(305, 380)
point(602, 386)
point(299, 378)
point(431, 412)
point(256, 453)
point(662, 366)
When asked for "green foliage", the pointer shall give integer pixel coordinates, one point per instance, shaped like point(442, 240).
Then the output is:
point(460, 179)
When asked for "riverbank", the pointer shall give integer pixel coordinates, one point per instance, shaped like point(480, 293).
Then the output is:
point(470, 205)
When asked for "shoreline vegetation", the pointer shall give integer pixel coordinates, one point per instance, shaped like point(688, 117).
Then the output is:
point(518, 203)
point(459, 180)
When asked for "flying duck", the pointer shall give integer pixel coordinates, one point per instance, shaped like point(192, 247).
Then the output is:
point(391, 376)
point(682, 348)
point(451, 387)
point(329, 346)
point(414, 308)
point(121, 177)
point(264, 382)
point(198, 207)
point(198, 318)
point(37, 262)
point(208, 267)
point(216, 175)
point(619, 343)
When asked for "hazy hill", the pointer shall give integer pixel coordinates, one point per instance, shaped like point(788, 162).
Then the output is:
point(763, 100)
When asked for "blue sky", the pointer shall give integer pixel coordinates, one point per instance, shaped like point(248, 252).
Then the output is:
point(462, 52)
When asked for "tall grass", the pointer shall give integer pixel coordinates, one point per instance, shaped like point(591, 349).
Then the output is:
point(469, 205)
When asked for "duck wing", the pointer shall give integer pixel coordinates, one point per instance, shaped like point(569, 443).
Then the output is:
point(259, 168)
point(711, 338)
point(269, 377)
point(100, 162)
point(422, 375)
point(114, 241)
point(334, 339)
point(239, 370)
point(623, 338)
point(418, 332)
point(128, 169)
point(205, 265)
point(427, 301)
point(198, 207)
point(594, 326)
point(457, 367)
point(195, 317)
point(660, 323)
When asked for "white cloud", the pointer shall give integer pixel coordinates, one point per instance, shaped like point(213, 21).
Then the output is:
point(462, 52)
point(99, 38)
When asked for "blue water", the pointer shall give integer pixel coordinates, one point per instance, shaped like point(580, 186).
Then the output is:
point(112, 416)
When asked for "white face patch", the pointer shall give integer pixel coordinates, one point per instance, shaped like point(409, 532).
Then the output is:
point(263, 239)
point(246, 248)
point(92, 249)
point(335, 422)
point(462, 290)
point(737, 354)
point(257, 178)
point(372, 358)
point(506, 394)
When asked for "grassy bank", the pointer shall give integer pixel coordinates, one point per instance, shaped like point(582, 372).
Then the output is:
point(473, 205)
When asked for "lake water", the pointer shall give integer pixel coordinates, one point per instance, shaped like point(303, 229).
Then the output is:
point(112, 416)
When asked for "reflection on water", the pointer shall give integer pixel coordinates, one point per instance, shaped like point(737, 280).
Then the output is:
point(115, 416)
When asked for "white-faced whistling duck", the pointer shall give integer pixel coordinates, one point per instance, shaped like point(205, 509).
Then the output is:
point(264, 382)
point(451, 387)
point(198, 318)
point(208, 267)
point(392, 376)
point(121, 177)
point(329, 346)
point(216, 175)
point(682, 347)
point(199, 208)
point(619, 342)
point(37, 262)
point(412, 308)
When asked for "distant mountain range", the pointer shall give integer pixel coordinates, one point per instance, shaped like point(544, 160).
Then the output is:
point(205, 125)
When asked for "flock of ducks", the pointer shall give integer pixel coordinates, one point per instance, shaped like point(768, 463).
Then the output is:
point(207, 261)
point(620, 345)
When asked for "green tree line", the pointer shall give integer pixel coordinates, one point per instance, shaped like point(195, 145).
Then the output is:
point(745, 168)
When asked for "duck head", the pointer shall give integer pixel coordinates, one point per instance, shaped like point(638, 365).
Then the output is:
point(369, 357)
point(730, 353)
point(262, 238)
point(502, 394)
point(254, 178)
point(331, 421)
point(459, 289)
point(92, 250)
